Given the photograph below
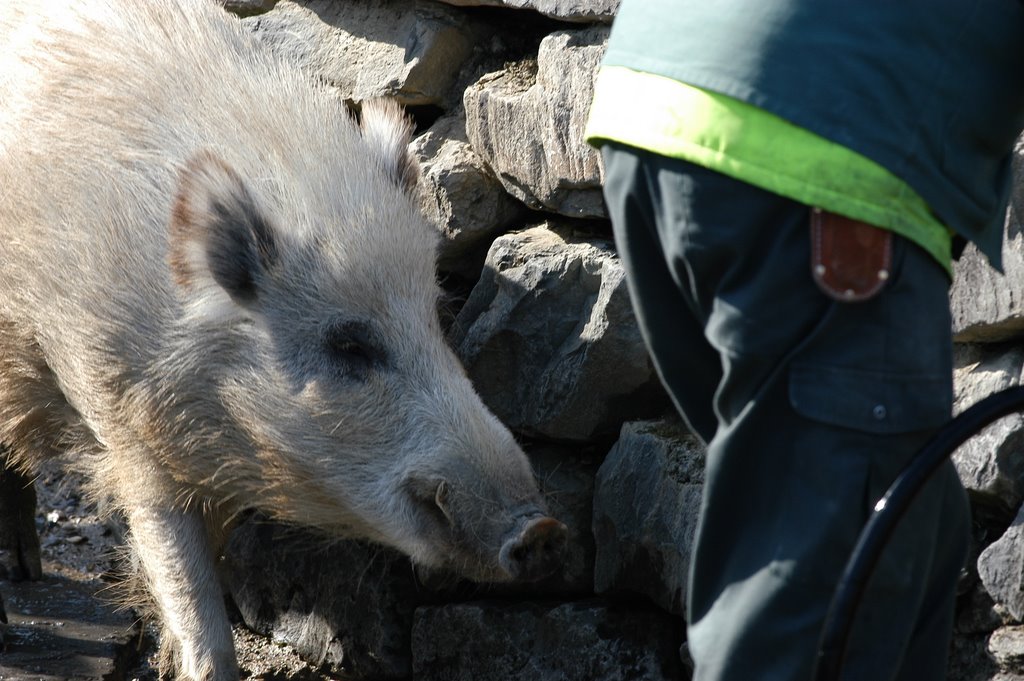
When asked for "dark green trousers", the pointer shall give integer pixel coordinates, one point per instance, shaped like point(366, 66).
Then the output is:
point(809, 407)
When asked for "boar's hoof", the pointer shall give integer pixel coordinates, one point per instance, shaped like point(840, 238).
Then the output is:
point(535, 551)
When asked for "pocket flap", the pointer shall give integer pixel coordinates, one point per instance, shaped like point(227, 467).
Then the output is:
point(868, 401)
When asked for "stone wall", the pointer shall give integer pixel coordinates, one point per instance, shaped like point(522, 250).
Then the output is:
point(540, 316)
point(988, 325)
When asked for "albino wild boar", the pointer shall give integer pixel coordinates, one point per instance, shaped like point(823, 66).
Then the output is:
point(217, 293)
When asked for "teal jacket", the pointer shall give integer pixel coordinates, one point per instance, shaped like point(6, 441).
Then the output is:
point(933, 90)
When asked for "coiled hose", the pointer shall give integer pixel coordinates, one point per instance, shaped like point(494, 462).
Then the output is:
point(888, 512)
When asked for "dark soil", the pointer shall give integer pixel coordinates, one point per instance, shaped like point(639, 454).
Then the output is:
point(70, 627)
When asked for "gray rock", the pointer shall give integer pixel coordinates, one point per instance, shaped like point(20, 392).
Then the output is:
point(969, 660)
point(1001, 568)
point(345, 605)
point(571, 642)
point(646, 502)
point(988, 306)
point(991, 463)
point(528, 123)
point(461, 196)
point(1006, 645)
point(566, 10)
point(247, 8)
point(411, 51)
point(977, 613)
point(549, 338)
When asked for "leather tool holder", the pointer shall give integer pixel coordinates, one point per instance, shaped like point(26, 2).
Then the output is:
point(850, 260)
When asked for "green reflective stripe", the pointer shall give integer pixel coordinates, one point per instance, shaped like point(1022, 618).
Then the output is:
point(674, 119)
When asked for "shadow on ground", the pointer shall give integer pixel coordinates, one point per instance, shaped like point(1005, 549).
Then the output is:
point(63, 629)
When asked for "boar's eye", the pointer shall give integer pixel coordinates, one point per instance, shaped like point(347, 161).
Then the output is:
point(350, 346)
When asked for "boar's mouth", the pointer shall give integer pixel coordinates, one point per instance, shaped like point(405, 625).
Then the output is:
point(530, 551)
point(535, 550)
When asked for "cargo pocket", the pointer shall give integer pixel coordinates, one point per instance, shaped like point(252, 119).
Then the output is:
point(872, 402)
point(887, 417)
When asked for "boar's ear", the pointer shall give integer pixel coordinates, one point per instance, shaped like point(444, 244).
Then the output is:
point(219, 239)
point(389, 131)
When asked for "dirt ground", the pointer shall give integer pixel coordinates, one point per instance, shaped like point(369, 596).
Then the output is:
point(70, 627)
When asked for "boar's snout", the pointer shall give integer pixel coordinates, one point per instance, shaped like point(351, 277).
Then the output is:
point(535, 551)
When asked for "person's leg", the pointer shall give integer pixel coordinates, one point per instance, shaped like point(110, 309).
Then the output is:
point(925, 655)
point(819, 403)
point(688, 366)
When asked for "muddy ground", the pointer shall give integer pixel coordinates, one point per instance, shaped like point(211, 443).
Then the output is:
point(70, 626)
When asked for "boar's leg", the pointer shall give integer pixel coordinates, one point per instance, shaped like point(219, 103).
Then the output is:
point(19, 543)
point(174, 551)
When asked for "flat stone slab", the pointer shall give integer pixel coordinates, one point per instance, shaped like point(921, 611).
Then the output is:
point(988, 306)
point(565, 10)
point(527, 123)
point(61, 630)
point(580, 641)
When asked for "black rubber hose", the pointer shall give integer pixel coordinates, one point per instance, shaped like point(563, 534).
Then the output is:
point(888, 512)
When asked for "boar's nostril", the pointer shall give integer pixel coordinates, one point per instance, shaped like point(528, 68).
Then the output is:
point(536, 551)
